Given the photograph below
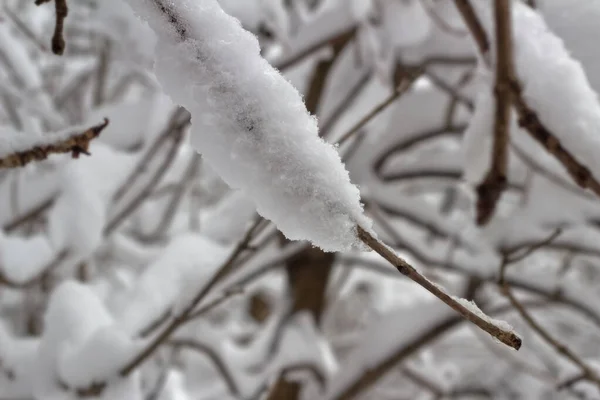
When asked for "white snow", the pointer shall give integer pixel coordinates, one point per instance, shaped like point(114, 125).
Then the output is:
point(227, 221)
point(471, 306)
point(183, 267)
point(74, 316)
point(361, 9)
point(251, 124)
point(576, 21)
point(102, 354)
point(19, 61)
point(129, 124)
point(384, 337)
point(174, 387)
point(23, 258)
point(477, 140)
point(405, 23)
point(77, 220)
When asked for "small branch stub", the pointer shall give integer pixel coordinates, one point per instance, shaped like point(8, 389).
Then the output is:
point(61, 11)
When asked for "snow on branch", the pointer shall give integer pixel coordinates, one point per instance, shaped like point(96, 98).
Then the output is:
point(251, 124)
point(550, 91)
point(18, 149)
point(253, 128)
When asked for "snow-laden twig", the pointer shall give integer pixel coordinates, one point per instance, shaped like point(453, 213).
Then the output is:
point(18, 150)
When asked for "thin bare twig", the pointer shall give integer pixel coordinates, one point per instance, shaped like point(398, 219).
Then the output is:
point(507, 337)
point(214, 357)
point(294, 59)
point(477, 31)
point(143, 194)
point(334, 116)
point(559, 347)
point(228, 294)
point(538, 168)
point(440, 21)
point(490, 190)
point(33, 214)
point(375, 371)
point(179, 118)
point(513, 257)
point(404, 86)
point(177, 196)
point(537, 130)
point(76, 144)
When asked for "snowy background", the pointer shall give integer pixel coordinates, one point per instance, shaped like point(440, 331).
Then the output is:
point(183, 259)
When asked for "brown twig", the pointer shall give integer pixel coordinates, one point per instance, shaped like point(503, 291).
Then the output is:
point(327, 124)
point(490, 190)
point(477, 31)
point(143, 194)
point(530, 121)
point(179, 119)
point(559, 347)
point(31, 215)
point(440, 21)
point(454, 92)
point(404, 86)
point(61, 10)
point(217, 361)
point(288, 62)
point(564, 298)
point(76, 144)
point(228, 294)
point(553, 177)
point(321, 72)
point(512, 256)
point(373, 373)
point(507, 337)
point(176, 198)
